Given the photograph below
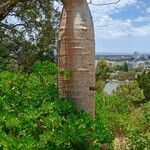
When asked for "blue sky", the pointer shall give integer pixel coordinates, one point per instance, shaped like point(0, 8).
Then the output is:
point(122, 28)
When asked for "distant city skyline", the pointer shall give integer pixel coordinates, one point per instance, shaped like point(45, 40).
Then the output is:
point(120, 53)
point(122, 28)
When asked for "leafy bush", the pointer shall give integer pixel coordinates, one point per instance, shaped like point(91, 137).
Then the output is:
point(138, 130)
point(122, 76)
point(144, 83)
point(125, 121)
point(100, 84)
point(34, 117)
point(102, 70)
point(130, 91)
point(114, 111)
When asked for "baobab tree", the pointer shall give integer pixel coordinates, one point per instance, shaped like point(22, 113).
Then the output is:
point(77, 54)
point(76, 51)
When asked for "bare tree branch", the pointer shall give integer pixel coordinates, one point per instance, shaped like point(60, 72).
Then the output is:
point(6, 8)
point(11, 26)
point(111, 3)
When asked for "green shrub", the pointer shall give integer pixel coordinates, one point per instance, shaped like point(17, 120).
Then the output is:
point(122, 76)
point(131, 92)
point(34, 117)
point(102, 70)
point(138, 130)
point(100, 84)
point(124, 120)
point(114, 111)
point(144, 83)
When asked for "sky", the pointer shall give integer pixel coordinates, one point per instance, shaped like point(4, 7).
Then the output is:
point(123, 27)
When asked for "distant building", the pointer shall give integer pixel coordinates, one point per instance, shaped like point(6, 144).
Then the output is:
point(131, 65)
point(134, 61)
point(136, 55)
point(144, 57)
point(135, 65)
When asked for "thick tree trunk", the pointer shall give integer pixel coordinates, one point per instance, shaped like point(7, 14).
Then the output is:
point(77, 55)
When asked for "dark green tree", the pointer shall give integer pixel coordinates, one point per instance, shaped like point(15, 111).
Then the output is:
point(102, 70)
point(28, 31)
point(144, 83)
point(138, 128)
point(125, 67)
point(102, 74)
point(131, 92)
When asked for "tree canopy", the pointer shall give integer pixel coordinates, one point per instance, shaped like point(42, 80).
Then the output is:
point(28, 31)
point(102, 70)
point(130, 91)
point(144, 83)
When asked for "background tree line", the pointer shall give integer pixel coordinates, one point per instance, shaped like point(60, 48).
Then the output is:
point(126, 110)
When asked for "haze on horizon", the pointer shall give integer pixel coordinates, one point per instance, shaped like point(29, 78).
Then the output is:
point(122, 28)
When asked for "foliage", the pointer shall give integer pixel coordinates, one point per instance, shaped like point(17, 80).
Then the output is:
point(114, 111)
point(125, 67)
point(100, 84)
point(102, 70)
point(122, 76)
point(46, 68)
point(4, 54)
point(144, 83)
point(102, 74)
point(34, 117)
point(130, 91)
point(31, 36)
point(68, 74)
point(118, 67)
point(124, 120)
point(138, 131)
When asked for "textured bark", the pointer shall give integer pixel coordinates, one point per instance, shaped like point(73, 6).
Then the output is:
point(6, 8)
point(77, 55)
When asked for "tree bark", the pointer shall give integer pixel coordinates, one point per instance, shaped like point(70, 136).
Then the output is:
point(77, 55)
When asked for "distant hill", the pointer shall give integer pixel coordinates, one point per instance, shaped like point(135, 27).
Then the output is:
point(109, 53)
